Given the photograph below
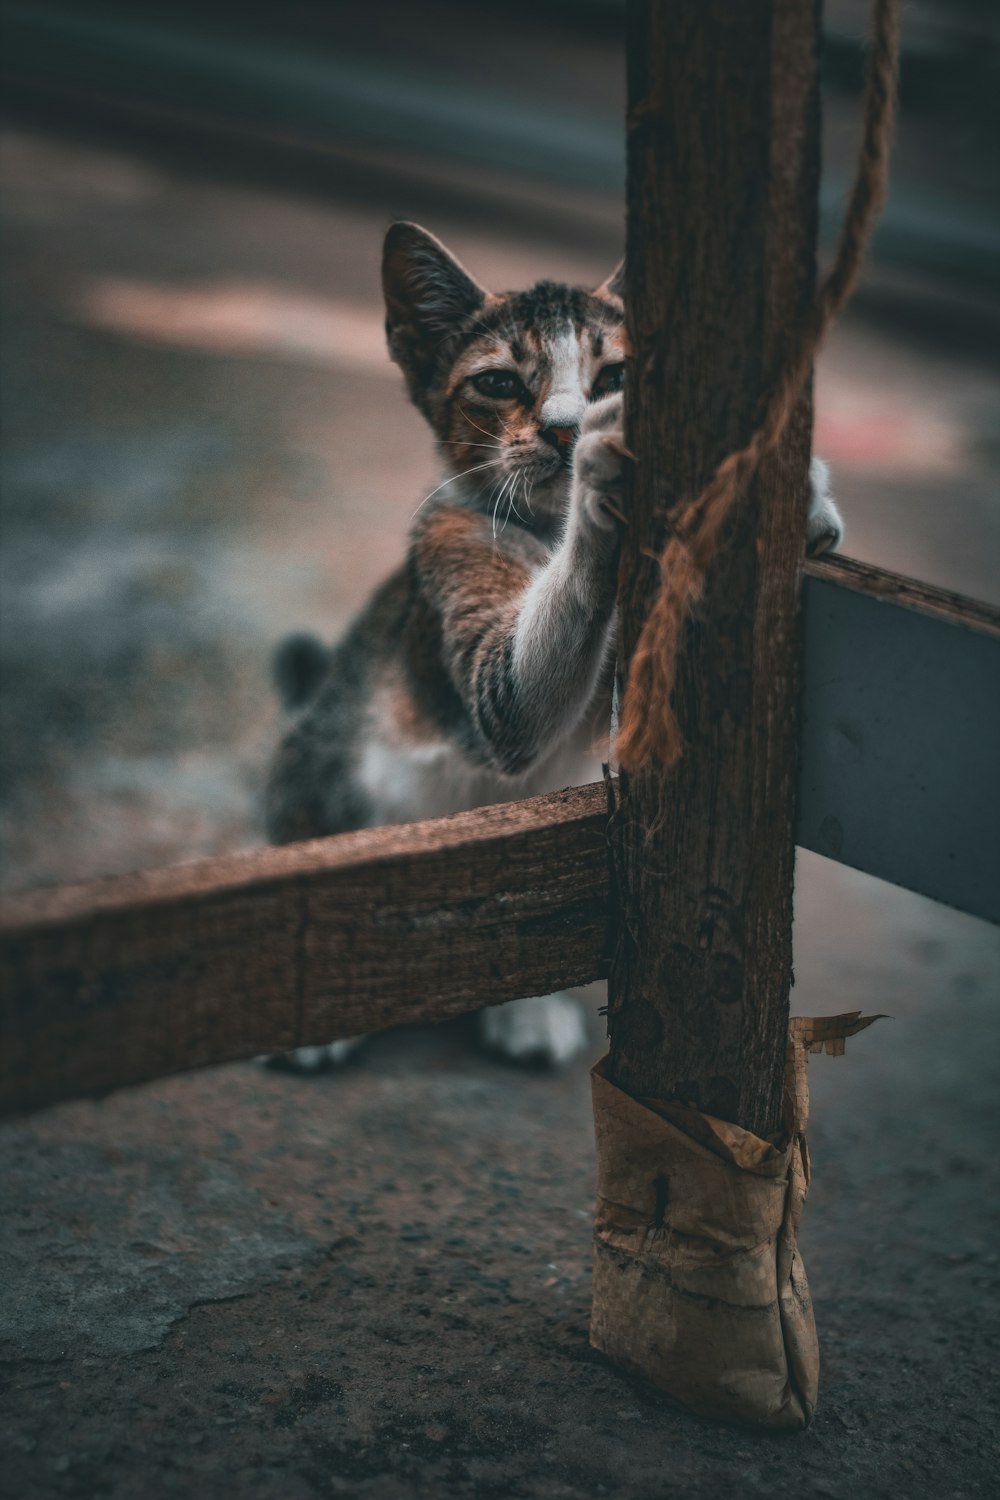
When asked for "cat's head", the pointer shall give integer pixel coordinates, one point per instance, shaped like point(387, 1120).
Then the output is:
point(502, 378)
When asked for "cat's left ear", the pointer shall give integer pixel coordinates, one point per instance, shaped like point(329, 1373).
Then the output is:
point(615, 284)
point(427, 295)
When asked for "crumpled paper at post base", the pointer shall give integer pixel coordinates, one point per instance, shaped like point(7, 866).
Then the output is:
point(698, 1283)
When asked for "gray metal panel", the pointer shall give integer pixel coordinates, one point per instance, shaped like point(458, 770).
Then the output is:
point(900, 743)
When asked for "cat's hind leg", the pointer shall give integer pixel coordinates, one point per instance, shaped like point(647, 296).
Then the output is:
point(540, 1028)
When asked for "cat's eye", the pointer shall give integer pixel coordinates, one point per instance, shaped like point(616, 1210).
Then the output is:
point(609, 379)
point(499, 385)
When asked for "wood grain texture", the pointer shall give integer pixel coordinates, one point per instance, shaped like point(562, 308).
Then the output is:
point(124, 980)
point(722, 191)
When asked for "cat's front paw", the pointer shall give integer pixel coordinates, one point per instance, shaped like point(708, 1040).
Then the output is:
point(541, 1028)
point(599, 461)
point(824, 525)
point(315, 1059)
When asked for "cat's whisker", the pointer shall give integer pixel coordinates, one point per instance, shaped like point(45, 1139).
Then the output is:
point(483, 430)
point(496, 505)
point(495, 497)
point(490, 501)
point(508, 498)
point(476, 425)
point(491, 463)
point(512, 506)
point(462, 443)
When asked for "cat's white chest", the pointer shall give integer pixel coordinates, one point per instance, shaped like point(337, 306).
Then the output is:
point(403, 783)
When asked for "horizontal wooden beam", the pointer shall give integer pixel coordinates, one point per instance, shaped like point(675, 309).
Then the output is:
point(119, 981)
point(124, 980)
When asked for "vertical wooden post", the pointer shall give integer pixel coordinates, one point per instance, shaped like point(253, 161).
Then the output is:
point(723, 132)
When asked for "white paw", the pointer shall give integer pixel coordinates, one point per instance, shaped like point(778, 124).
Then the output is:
point(549, 1028)
point(598, 464)
point(606, 415)
point(824, 526)
point(316, 1059)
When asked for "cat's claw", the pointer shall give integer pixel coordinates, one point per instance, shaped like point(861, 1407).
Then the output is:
point(541, 1028)
point(824, 524)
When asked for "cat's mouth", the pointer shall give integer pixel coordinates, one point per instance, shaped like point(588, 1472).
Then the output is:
point(523, 482)
point(549, 466)
point(541, 488)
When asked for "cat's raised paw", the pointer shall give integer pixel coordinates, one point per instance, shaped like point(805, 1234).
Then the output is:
point(598, 463)
point(541, 1028)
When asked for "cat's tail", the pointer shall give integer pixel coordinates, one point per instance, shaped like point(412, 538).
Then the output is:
point(300, 663)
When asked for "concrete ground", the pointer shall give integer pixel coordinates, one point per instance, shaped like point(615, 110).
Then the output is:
point(375, 1283)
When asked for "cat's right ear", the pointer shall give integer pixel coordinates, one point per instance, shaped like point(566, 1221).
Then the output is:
point(614, 287)
point(428, 294)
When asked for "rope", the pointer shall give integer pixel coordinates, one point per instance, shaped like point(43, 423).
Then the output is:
point(649, 726)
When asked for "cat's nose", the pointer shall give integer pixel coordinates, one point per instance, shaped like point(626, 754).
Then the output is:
point(562, 438)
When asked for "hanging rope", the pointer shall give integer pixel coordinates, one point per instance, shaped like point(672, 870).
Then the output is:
point(649, 726)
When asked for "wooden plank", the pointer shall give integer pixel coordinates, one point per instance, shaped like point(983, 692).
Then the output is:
point(900, 738)
point(723, 171)
point(124, 980)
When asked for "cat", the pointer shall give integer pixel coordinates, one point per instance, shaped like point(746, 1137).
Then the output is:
point(481, 670)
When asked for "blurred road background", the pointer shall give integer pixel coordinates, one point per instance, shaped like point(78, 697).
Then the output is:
point(205, 446)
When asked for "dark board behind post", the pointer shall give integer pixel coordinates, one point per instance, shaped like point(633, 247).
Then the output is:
point(723, 132)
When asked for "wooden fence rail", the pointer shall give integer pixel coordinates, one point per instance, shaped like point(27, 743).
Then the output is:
point(120, 981)
point(123, 980)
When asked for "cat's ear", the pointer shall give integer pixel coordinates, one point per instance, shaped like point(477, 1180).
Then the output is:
point(615, 284)
point(427, 295)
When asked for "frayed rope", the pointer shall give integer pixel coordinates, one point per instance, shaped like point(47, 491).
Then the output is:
point(649, 727)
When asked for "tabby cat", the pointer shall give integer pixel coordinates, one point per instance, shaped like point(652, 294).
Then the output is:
point(480, 671)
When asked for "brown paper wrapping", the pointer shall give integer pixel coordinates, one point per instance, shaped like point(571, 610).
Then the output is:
point(698, 1283)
